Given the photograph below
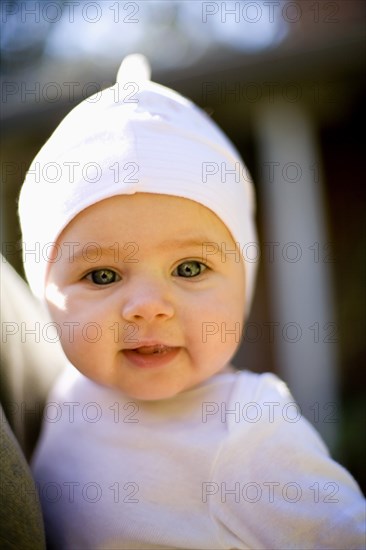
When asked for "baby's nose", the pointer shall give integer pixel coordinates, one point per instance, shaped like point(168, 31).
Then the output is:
point(147, 300)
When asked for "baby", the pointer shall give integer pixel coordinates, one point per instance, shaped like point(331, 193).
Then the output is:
point(151, 439)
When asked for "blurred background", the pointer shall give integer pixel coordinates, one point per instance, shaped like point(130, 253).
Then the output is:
point(285, 80)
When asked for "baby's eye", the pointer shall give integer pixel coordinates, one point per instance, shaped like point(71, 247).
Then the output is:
point(103, 276)
point(189, 269)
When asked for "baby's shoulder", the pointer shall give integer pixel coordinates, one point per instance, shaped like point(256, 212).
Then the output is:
point(259, 408)
point(250, 387)
point(245, 400)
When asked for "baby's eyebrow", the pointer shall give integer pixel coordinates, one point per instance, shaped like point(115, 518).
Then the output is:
point(92, 252)
point(198, 241)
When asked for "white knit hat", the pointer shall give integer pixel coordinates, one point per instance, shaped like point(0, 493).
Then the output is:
point(136, 136)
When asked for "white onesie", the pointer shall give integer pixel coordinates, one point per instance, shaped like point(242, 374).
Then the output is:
point(229, 464)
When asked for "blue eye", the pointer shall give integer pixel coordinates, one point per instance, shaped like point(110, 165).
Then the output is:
point(103, 276)
point(189, 269)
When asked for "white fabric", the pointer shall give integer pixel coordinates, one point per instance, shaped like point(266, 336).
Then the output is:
point(117, 474)
point(134, 137)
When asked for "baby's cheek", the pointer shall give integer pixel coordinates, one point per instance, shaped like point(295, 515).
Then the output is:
point(70, 327)
point(217, 325)
point(73, 342)
point(83, 349)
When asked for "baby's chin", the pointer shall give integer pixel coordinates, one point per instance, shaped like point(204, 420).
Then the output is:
point(168, 391)
point(152, 394)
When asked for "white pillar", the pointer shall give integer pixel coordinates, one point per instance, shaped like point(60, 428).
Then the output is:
point(299, 273)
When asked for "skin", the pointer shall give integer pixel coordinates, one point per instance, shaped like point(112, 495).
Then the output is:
point(147, 295)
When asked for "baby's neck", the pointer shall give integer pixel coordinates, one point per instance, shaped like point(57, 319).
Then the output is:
point(228, 369)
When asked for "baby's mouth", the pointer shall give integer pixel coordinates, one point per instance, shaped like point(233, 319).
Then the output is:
point(152, 350)
point(150, 355)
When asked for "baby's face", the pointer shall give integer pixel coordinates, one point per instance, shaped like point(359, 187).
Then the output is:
point(141, 306)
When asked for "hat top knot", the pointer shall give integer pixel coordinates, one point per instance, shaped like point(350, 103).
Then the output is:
point(134, 68)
